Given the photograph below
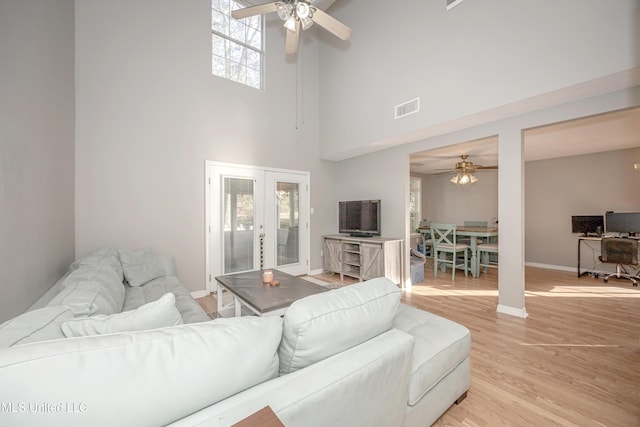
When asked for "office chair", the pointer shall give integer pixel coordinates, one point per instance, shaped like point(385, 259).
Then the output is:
point(620, 252)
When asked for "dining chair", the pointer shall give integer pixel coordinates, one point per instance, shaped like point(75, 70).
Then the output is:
point(427, 247)
point(444, 242)
point(483, 257)
point(476, 223)
point(479, 240)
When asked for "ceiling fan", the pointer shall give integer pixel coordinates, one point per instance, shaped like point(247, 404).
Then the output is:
point(296, 14)
point(464, 171)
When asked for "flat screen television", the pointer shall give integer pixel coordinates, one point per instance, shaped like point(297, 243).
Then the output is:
point(623, 222)
point(587, 224)
point(359, 218)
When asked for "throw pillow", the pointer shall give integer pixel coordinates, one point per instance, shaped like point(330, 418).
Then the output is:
point(140, 266)
point(325, 324)
point(42, 324)
point(157, 314)
point(100, 257)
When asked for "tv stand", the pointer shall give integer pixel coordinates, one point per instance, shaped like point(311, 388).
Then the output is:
point(360, 235)
point(363, 258)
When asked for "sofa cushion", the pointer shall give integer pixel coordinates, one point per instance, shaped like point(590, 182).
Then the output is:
point(100, 257)
point(142, 378)
point(440, 346)
point(157, 314)
point(140, 266)
point(86, 298)
point(322, 325)
point(189, 309)
point(103, 275)
point(36, 325)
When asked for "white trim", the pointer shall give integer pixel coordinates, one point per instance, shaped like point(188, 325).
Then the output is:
point(512, 311)
point(551, 267)
point(208, 166)
point(315, 272)
point(199, 294)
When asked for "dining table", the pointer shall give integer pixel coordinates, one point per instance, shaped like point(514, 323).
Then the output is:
point(472, 231)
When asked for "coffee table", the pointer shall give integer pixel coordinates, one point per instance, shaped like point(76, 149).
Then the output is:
point(262, 299)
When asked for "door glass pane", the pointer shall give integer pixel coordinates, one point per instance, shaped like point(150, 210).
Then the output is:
point(238, 224)
point(288, 222)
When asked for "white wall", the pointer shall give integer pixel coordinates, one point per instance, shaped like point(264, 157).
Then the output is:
point(479, 56)
point(382, 175)
point(385, 175)
point(150, 113)
point(446, 202)
point(556, 189)
point(36, 148)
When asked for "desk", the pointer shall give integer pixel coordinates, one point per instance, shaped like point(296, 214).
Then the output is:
point(467, 231)
point(580, 240)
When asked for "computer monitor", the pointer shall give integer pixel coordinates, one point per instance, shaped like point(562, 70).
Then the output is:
point(587, 224)
point(622, 222)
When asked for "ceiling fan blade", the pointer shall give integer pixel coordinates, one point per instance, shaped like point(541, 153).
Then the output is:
point(331, 24)
point(291, 42)
point(254, 10)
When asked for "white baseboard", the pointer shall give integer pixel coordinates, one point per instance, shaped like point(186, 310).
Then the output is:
point(315, 272)
point(550, 266)
point(512, 311)
point(199, 294)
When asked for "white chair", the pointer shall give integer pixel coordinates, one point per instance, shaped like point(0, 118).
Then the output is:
point(427, 247)
point(444, 242)
point(479, 240)
point(483, 251)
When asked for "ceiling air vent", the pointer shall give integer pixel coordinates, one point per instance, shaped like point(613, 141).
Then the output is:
point(407, 108)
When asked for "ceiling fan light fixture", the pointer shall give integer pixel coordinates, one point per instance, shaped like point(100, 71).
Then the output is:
point(290, 23)
point(464, 178)
point(302, 10)
point(306, 23)
point(284, 10)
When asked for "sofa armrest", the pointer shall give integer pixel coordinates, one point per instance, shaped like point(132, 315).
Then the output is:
point(365, 385)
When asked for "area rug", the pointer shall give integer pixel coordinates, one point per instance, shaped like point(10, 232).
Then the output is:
point(330, 285)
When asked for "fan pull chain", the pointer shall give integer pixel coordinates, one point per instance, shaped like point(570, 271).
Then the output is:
point(299, 89)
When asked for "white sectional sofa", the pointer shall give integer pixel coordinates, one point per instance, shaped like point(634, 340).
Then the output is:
point(354, 356)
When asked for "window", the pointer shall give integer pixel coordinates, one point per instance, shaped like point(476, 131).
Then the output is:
point(415, 190)
point(237, 45)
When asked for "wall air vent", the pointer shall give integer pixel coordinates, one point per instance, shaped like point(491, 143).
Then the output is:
point(452, 3)
point(407, 108)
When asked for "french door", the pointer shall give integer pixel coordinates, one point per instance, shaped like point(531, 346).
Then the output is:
point(256, 218)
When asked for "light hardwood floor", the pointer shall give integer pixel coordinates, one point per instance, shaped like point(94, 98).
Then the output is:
point(575, 361)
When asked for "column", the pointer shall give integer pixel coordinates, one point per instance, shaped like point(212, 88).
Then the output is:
point(511, 223)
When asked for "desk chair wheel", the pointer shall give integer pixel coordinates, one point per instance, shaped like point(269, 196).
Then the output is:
point(634, 281)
